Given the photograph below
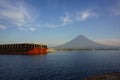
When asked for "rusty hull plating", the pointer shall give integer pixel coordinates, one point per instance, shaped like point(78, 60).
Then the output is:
point(23, 48)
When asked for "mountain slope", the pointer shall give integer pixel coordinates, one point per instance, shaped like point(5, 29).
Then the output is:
point(82, 42)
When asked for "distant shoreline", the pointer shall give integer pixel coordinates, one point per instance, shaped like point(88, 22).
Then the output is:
point(79, 50)
point(87, 49)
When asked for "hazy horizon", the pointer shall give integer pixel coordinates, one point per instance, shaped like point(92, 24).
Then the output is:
point(55, 22)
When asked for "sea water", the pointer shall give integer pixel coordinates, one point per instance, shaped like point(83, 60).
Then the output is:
point(64, 65)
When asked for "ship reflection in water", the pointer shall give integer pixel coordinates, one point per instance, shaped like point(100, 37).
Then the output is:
point(23, 48)
point(63, 65)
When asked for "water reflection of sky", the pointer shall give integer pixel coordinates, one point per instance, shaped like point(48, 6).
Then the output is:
point(59, 65)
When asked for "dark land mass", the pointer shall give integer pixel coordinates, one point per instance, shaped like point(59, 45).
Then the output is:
point(109, 76)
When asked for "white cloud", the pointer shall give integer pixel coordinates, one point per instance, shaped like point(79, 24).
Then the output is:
point(63, 21)
point(2, 27)
point(32, 29)
point(66, 19)
point(84, 15)
point(70, 18)
point(27, 29)
point(23, 15)
point(16, 13)
point(21, 29)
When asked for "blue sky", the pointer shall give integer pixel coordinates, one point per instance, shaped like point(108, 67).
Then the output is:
point(55, 22)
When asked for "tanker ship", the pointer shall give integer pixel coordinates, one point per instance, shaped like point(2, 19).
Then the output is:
point(23, 48)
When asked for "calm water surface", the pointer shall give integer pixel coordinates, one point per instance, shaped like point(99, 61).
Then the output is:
point(69, 65)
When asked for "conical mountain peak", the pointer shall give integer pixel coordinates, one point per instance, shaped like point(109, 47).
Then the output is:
point(81, 37)
point(81, 42)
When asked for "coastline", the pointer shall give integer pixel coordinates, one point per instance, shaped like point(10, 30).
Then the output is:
point(108, 76)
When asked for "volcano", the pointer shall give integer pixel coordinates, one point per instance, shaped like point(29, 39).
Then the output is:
point(82, 42)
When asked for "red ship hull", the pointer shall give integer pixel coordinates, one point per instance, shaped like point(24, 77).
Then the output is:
point(37, 51)
point(26, 49)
